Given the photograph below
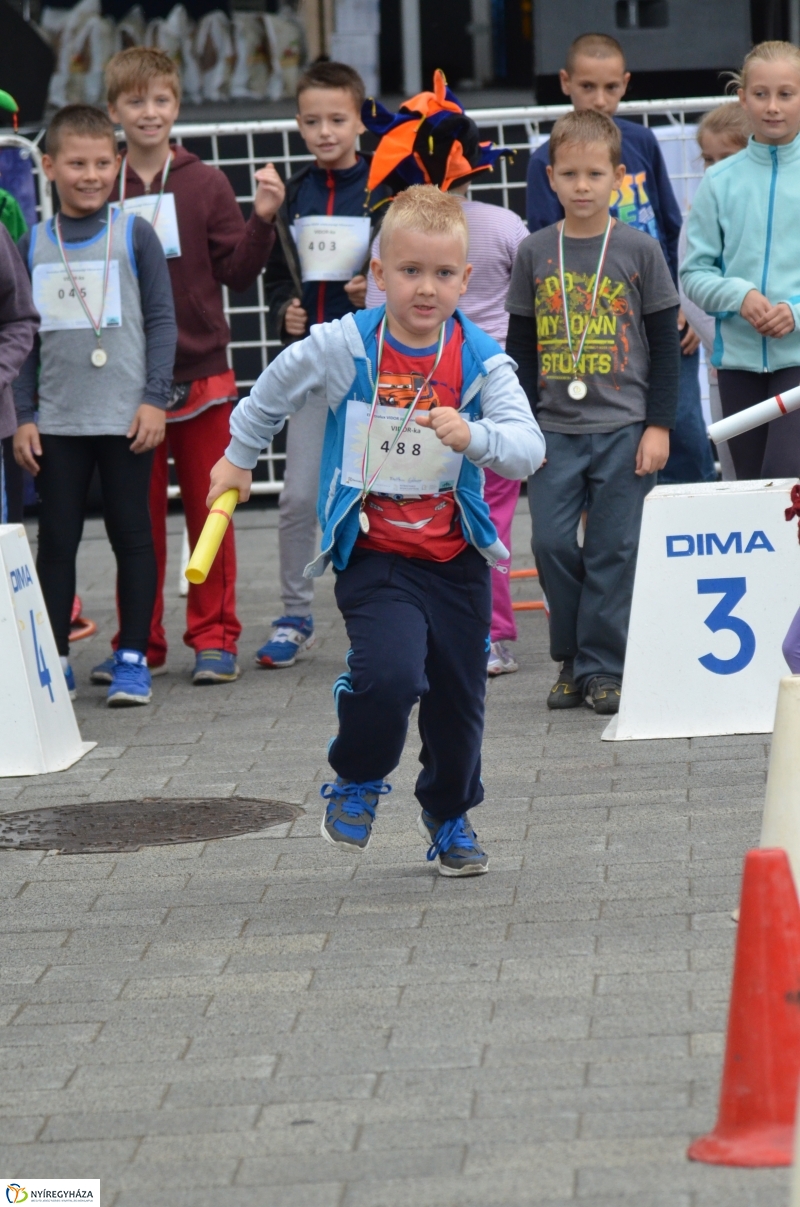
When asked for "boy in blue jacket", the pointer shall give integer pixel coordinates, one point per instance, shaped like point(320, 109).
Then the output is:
point(418, 401)
point(315, 274)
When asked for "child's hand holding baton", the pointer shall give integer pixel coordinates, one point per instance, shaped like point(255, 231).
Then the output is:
point(229, 486)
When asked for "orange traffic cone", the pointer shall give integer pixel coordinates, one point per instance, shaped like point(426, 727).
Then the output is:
point(762, 1054)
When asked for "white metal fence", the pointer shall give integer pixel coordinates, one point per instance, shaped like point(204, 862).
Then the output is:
point(239, 148)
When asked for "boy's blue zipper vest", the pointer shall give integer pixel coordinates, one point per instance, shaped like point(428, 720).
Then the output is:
point(338, 506)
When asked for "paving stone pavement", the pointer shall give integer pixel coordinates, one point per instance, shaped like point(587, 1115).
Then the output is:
point(266, 1022)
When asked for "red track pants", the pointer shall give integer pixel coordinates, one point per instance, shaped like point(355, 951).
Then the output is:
point(211, 622)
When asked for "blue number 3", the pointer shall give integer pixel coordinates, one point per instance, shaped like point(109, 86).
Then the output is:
point(731, 590)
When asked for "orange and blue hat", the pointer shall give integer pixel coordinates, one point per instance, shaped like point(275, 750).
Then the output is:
point(429, 141)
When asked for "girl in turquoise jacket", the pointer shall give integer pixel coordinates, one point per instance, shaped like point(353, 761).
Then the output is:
point(743, 260)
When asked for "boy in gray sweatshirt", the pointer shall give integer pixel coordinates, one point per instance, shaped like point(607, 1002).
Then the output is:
point(104, 359)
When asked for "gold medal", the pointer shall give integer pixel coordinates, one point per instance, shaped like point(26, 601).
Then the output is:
point(99, 357)
point(577, 389)
point(363, 521)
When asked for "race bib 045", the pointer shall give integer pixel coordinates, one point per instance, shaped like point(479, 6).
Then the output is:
point(331, 249)
point(418, 464)
point(56, 299)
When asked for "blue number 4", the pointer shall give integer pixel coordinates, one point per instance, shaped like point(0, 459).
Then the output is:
point(44, 674)
point(732, 591)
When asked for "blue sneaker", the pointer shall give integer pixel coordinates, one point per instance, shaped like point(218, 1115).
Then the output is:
point(130, 682)
point(351, 811)
point(290, 636)
point(69, 675)
point(456, 845)
point(215, 666)
point(104, 671)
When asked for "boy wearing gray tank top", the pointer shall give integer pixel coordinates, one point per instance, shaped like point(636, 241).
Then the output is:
point(104, 361)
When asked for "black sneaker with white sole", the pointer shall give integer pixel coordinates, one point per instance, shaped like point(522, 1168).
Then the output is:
point(602, 693)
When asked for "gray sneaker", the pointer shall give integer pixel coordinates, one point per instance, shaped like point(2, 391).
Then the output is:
point(348, 817)
point(455, 844)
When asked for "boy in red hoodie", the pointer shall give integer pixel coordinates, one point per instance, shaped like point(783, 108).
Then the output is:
point(208, 244)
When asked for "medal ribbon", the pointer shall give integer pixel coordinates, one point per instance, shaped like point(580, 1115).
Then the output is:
point(366, 480)
point(96, 326)
point(576, 357)
point(123, 177)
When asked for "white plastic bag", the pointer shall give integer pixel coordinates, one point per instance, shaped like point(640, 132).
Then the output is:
point(80, 39)
point(287, 39)
point(93, 47)
point(131, 29)
point(213, 46)
point(254, 64)
point(175, 36)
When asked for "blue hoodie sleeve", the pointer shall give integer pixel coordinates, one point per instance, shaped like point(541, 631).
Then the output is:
point(542, 206)
point(703, 274)
point(665, 206)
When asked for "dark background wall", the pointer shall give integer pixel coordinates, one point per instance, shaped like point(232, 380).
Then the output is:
point(446, 44)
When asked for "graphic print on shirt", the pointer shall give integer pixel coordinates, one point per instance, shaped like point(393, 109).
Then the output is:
point(400, 390)
point(630, 204)
point(607, 346)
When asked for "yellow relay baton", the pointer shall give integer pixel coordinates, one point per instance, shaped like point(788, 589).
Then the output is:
point(214, 529)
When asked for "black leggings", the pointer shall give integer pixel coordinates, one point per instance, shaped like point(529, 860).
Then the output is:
point(772, 450)
point(67, 464)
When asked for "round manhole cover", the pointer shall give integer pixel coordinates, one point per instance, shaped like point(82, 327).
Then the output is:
point(127, 825)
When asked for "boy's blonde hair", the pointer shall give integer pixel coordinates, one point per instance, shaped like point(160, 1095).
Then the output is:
point(764, 52)
point(584, 126)
point(424, 208)
point(731, 120)
point(132, 70)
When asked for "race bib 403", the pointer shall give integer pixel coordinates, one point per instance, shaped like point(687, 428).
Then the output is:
point(57, 301)
point(331, 249)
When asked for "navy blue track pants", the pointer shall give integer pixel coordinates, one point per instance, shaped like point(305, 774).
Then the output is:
point(419, 630)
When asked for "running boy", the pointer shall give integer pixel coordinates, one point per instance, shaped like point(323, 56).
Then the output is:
point(593, 328)
point(105, 354)
point(208, 244)
point(315, 274)
point(403, 519)
point(447, 146)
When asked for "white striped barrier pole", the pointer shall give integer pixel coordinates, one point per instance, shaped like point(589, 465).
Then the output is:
point(762, 412)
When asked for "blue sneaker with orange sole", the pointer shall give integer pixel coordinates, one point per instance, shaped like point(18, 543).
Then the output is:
point(291, 635)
